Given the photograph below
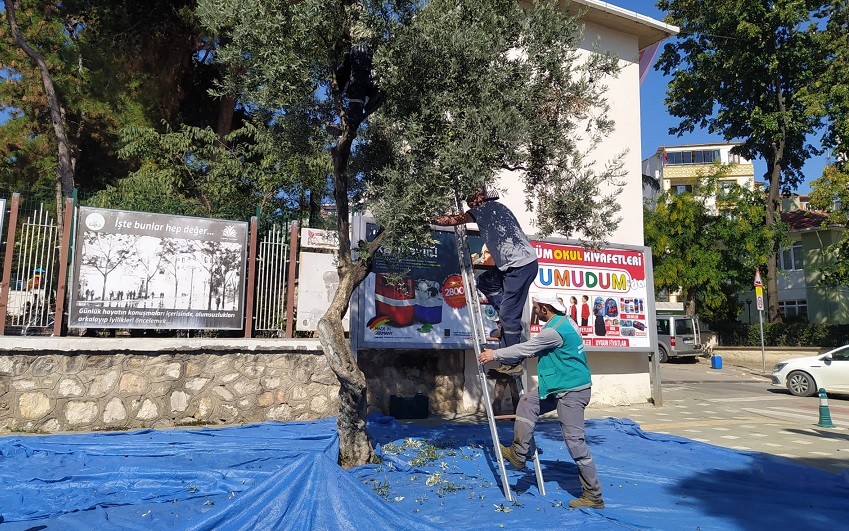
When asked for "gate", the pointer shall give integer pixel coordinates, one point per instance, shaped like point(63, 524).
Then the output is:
point(31, 300)
point(270, 299)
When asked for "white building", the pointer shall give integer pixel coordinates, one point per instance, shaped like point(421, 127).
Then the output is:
point(677, 168)
point(619, 378)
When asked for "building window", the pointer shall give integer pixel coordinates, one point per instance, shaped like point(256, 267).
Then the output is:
point(726, 185)
point(791, 259)
point(682, 188)
point(733, 159)
point(794, 310)
point(702, 156)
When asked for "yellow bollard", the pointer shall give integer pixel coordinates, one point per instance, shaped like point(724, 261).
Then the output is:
point(825, 415)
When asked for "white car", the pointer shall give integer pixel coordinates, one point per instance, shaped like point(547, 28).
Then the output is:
point(805, 376)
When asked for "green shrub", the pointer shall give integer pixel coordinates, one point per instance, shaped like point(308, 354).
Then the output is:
point(782, 334)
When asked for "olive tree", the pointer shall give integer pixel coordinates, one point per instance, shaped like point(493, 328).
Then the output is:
point(416, 103)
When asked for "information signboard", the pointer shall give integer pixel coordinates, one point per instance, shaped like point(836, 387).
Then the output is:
point(317, 284)
point(142, 270)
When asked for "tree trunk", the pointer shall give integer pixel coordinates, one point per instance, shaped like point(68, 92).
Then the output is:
point(354, 446)
point(65, 174)
point(315, 207)
point(225, 118)
point(772, 206)
point(773, 315)
point(690, 302)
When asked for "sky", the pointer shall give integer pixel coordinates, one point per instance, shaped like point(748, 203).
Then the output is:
point(656, 121)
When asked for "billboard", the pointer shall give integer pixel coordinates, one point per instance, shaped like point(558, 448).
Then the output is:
point(141, 270)
point(608, 292)
point(317, 284)
point(417, 302)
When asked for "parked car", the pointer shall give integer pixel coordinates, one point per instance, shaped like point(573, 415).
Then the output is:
point(678, 336)
point(805, 376)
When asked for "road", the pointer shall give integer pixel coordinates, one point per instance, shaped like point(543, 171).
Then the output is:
point(736, 407)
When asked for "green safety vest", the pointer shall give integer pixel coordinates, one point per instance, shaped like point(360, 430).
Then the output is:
point(563, 368)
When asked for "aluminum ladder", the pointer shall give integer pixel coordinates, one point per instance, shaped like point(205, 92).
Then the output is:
point(480, 340)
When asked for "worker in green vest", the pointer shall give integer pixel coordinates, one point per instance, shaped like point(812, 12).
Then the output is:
point(564, 384)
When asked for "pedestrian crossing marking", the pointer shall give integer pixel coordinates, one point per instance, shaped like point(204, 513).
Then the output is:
point(790, 412)
point(703, 423)
point(757, 398)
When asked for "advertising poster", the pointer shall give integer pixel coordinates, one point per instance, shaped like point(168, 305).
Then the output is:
point(319, 238)
point(141, 270)
point(318, 281)
point(607, 292)
point(418, 302)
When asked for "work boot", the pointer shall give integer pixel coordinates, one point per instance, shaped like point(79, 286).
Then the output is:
point(508, 453)
point(587, 500)
point(510, 370)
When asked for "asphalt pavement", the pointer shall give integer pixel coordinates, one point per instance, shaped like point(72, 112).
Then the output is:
point(737, 407)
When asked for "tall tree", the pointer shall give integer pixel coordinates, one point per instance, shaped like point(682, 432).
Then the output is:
point(126, 63)
point(833, 87)
point(745, 69)
point(420, 101)
point(707, 244)
point(192, 171)
point(64, 172)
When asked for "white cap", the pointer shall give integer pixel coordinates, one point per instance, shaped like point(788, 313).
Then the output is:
point(490, 194)
point(550, 299)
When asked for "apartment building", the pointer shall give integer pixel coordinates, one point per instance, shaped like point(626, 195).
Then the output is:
point(678, 168)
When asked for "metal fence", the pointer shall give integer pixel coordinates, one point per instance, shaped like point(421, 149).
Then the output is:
point(33, 268)
point(31, 299)
point(270, 298)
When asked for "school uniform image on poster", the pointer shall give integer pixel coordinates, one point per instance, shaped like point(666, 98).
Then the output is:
point(585, 310)
point(600, 329)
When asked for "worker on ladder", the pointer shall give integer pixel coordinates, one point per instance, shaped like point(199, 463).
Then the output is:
point(564, 384)
point(505, 287)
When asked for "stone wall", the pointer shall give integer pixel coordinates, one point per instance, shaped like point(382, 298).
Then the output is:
point(52, 385)
point(753, 358)
point(75, 384)
point(437, 374)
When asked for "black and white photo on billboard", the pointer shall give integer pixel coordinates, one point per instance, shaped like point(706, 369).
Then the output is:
point(142, 270)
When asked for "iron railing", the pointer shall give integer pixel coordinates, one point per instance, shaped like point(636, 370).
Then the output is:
point(31, 302)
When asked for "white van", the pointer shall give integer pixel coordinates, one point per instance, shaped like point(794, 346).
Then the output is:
point(678, 336)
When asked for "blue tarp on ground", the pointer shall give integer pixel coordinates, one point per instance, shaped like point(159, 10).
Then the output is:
point(284, 476)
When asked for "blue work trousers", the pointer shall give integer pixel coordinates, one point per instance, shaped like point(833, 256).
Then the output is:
point(507, 291)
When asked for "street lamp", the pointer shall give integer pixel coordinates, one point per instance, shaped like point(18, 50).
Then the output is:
point(749, 304)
